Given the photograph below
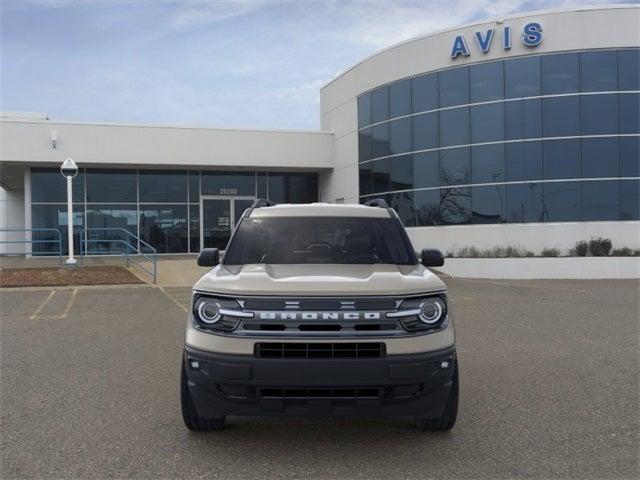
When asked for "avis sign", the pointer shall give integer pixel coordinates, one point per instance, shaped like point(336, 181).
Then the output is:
point(531, 37)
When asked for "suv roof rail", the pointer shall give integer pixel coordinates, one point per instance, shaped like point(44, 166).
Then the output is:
point(262, 202)
point(376, 202)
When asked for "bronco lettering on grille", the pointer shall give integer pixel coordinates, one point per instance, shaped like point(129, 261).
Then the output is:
point(319, 315)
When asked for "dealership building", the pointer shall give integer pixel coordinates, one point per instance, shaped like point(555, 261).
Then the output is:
point(522, 131)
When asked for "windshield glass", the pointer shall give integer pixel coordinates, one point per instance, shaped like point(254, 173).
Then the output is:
point(345, 240)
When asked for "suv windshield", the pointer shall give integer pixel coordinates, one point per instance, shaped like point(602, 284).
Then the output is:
point(346, 240)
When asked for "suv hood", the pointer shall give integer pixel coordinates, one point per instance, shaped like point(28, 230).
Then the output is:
point(317, 280)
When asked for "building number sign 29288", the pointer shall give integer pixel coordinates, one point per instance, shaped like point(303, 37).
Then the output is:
point(228, 191)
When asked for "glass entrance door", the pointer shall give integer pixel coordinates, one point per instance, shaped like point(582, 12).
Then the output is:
point(218, 217)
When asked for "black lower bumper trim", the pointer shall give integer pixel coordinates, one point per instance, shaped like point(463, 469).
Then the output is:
point(416, 384)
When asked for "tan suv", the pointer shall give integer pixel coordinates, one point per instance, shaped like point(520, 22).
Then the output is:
point(320, 309)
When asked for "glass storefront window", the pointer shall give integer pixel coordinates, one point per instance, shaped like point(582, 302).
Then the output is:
point(55, 216)
point(400, 99)
point(293, 187)
point(262, 185)
point(194, 227)
point(194, 186)
point(454, 127)
point(523, 119)
point(523, 161)
point(112, 186)
point(524, 203)
point(598, 71)
point(380, 105)
point(487, 81)
point(599, 114)
point(165, 227)
point(115, 218)
point(163, 186)
point(425, 131)
point(560, 73)
point(400, 135)
point(427, 207)
point(487, 123)
point(455, 166)
point(49, 186)
point(364, 110)
point(562, 202)
point(561, 116)
point(424, 93)
point(522, 77)
point(453, 87)
point(600, 157)
point(228, 183)
point(455, 205)
point(488, 204)
point(487, 164)
point(426, 169)
point(630, 199)
point(629, 69)
point(561, 159)
point(601, 200)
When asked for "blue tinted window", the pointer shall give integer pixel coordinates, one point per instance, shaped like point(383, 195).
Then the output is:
point(48, 185)
point(380, 105)
point(366, 179)
point(524, 203)
point(561, 116)
point(262, 185)
point(630, 156)
point(400, 98)
point(487, 123)
point(364, 110)
point(53, 216)
point(454, 127)
point(522, 77)
point(455, 166)
point(425, 131)
point(194, 186)
point(487, 164)
point(454, 87)
point(400, 135)
point(629, 69)
point(293, 187)
point(629, 113)
point(523, 161)
point(562, 202)
point(600, 157)
point(488, 204)
point(401, 172)
point(599, 114)
point(426, 169)
point(599, 71)
point(630, 199)
point(561, 159)
point(560, 73)
point(523, 119)
point(194, 227)
point(402, 203)
point(165, 227)
point(365, 146)
point(455, 205)
point(163, 186)
point(381, 175)
point(424, 92)
point(427, 207)
point(487, 81)
point(380, 141)
point(116, 186)
point(601, 200)
point(112, 217)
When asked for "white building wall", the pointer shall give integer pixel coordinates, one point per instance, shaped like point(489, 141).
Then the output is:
point(11, 217)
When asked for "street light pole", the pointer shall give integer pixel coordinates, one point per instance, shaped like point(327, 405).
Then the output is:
point(69, 170)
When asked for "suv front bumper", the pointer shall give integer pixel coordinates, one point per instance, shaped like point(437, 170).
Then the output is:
point(413, 384)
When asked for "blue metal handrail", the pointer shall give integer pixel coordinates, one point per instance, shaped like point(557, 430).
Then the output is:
point(32, 241)
point(126, 250)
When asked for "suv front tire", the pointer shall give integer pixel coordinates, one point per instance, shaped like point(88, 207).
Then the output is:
point(192, 420)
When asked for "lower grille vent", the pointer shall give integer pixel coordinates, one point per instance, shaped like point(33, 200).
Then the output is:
point(334, 393)
point(320, 350)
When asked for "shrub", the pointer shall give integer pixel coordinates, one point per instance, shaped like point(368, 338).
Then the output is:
point(625, 252)
point(550, 252)
point(582, 248)
point(600, 247)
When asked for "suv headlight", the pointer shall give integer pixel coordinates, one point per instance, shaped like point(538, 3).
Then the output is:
point(427, 313)
point(214, 313)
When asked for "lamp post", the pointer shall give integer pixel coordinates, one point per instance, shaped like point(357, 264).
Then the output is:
point(69, 169)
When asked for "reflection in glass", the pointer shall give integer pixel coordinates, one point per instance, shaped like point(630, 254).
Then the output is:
point(487, 123)
point(630, 156)
point(425, 131)
point(426, 169)
point(453, 87)
point(380, 105)
point(601, 200)
point(455, 205)
point(115, 218)
point(402, 203)
point(364, 110)
point(561, 116)
point(600, 157)
point(455, 166)
point(424, 92)
point(630, 200)
point(523, 119)
point(524, 203)
point(400, 135)
point(293, 187)
point(400, 98)
point(163, 186)
point(454, 127)
point(54, 216)
point(487, 81)
point(216, 223)
point(560, 73)
point(599, 114)
point(522, 77)
point(487, 164)
point(562, 202)
point(48, 185)
point(523, 161)
point(366, 180)
point(165, 227)
point(598, 71)
point(488, 204)
point(364, 145)
point(561, 159)
point(401, 172)
point(427, 207)
point(380, 141)
point(381, 175)
point(112, 186)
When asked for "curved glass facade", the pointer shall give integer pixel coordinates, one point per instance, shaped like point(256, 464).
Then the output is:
point(541, 138)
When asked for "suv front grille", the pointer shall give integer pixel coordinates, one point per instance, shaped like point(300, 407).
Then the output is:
point(319, 350)
point(320, 304)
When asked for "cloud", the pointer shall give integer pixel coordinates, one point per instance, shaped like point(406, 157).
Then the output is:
point(191, 13)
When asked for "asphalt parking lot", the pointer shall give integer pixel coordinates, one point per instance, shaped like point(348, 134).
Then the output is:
point(549, 389)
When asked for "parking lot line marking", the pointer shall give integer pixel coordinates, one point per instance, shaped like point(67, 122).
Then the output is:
point(42, 305)
point(69, 304)
point(183, 307)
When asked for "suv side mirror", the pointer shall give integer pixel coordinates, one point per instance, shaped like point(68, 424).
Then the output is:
point(209, 257)
point(432, 258)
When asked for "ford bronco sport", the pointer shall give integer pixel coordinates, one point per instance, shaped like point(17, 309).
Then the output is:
point(319, 309)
